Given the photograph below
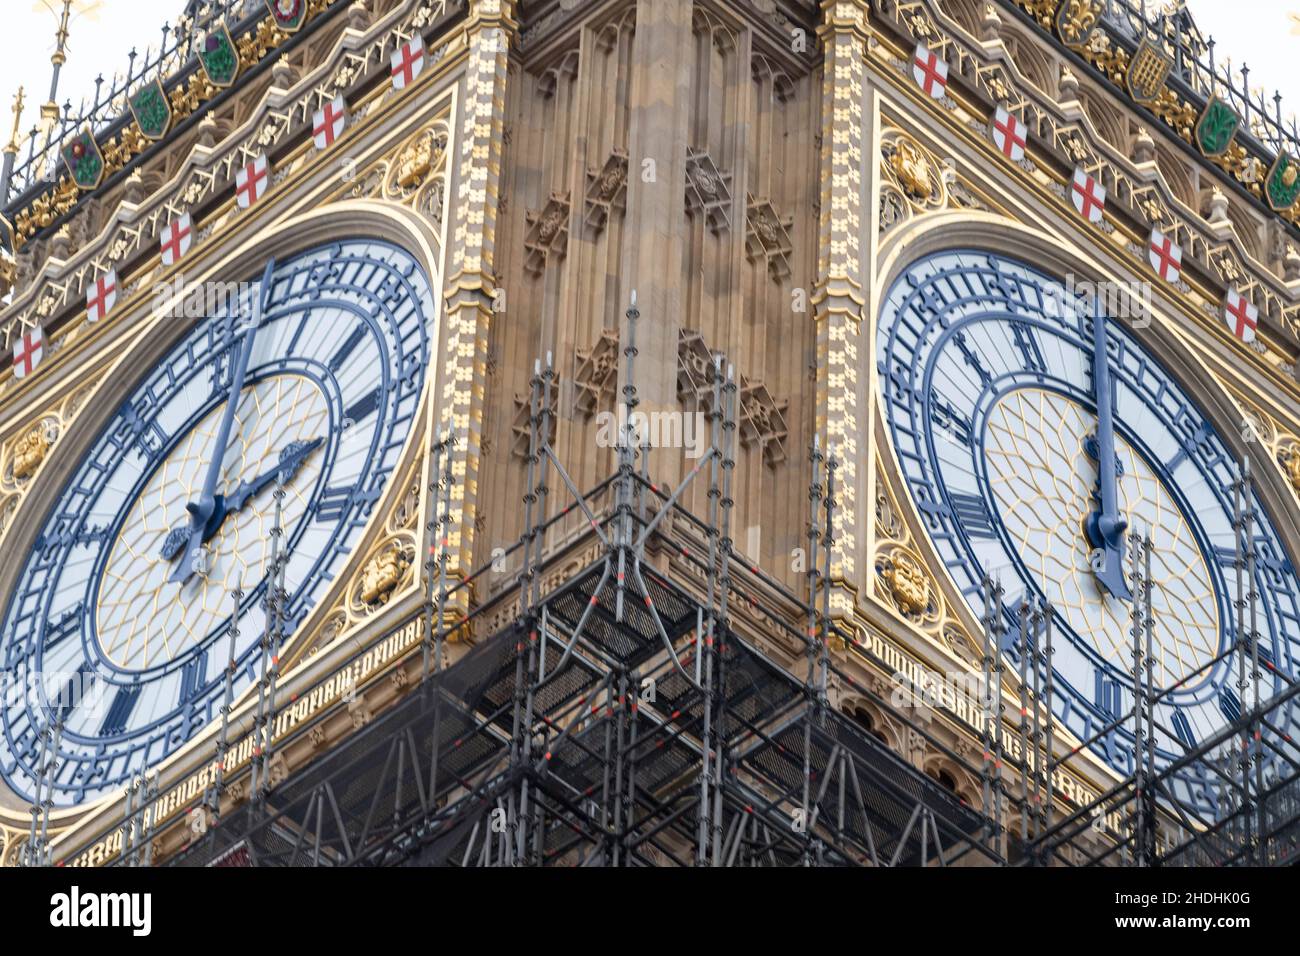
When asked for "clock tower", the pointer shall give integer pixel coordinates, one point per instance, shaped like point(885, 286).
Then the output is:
point(897, 401)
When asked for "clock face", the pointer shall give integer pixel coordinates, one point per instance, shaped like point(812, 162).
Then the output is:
point(119, 625)
point(990, 393)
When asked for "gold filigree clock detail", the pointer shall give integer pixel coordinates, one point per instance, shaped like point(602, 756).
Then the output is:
point(414, 174)
point(1260, 428)
point(912, 180)
point(908, 587)
point(904, 583)
point(1288, 456)
point(23, 456)
point(382, 574)
point(29, 449)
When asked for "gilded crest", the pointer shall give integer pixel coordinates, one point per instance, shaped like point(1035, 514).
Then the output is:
point(907, 583)
point(1216, 127)
point(1147, 71)
point(1076, 19)
point(911, 168)
point(382, 574)
point(30, 451)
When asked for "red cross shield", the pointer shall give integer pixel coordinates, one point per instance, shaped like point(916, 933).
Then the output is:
point(328, 121)
point(1009, 135)
point(252, 181)
point(29, 349)
point(1089, 196)
point(177, 236)
point(930, 71)
point(407, 62)
point(1165, 256)
point(1241, 316)
point(101, 295)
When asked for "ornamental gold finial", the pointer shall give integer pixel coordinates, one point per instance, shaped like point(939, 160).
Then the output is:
point(18, 117)
point(50, 110)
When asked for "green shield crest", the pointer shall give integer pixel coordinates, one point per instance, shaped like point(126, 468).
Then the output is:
point(153, 114)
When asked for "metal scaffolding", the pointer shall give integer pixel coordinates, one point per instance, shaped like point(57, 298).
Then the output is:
point(1249, 770)
point(628, 716)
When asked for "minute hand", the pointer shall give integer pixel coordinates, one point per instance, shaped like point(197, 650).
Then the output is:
point(1105, 527)
point(201, 511)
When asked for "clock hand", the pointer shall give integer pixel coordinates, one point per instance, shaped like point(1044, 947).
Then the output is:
point(1105, 527)
point(291, 459)
point(202, 511)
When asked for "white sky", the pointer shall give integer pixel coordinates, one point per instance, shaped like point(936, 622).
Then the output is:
point(100, 35)
point(1263, 33)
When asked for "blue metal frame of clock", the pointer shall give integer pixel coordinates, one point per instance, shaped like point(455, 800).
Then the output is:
point(963, 334)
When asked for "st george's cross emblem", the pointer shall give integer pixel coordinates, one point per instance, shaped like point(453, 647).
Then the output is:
point(29, 349)
point(177, 236)
point(930, 71)
point(327, 122)
point(1009, 135)
point(1088, 195)
point(252, 181)
point(1165, 256)
point(407, 62)
point(1241, 316)
point(101, 296)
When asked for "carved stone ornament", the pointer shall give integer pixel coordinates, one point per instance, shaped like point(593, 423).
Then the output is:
point(548, 233)
point(596, 374)
point(606, 190)
point(762, 421)
point(708, 190)
point(382, 573)
point(767, 237)
point(694, 368)
point(519, 428)
point(761, 416)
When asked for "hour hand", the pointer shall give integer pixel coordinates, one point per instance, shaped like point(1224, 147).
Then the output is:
point(291, 459)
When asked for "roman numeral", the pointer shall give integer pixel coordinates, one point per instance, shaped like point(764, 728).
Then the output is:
point(973, 514)
point(147, 435)
point(972, 359)
point(349, 344)
point(951, 421)
point(193, 676)
point(337, 503)
point(334, 504)
point(1183, 729)
point(119, 712)
point(77, 690)
point(68, 624)
point(1106, 694)
point(1190, 446)
point(1229, 704)
point(363, 408)
point(1027, 342)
